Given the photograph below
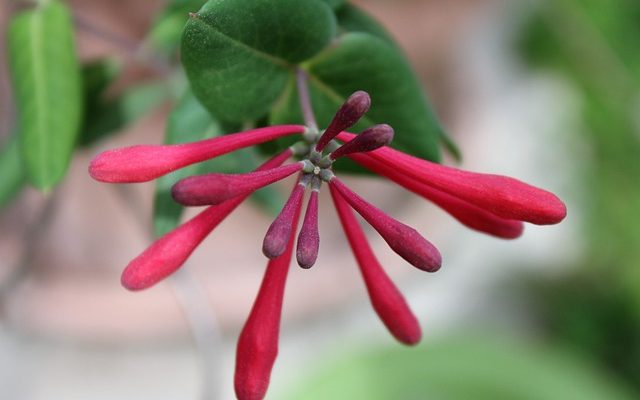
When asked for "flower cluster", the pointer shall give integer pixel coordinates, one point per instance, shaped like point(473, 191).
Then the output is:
point(492, 204)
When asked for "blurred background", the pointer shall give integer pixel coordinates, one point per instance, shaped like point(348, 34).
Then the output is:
point(545, 91)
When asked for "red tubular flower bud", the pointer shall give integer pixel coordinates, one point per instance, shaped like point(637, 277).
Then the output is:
point(506, 197)
point(168, 253)
point(468, 214)
point(371, 139)
point(385, 297)
point(216, 188)
point(277, 237)
point(402, 239)
point(258, 342)
point(309, 238)
point(146, 162)
point(349, 113)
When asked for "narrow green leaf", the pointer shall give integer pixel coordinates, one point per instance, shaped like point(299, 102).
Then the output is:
point(239, 54)
point(46, 78)
point(11, 173)
point(361, 61)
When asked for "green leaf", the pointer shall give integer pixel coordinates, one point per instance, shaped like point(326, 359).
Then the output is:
point(46, 78)
point(335, 4)
point(239, 54)
point(190, 121)
point(353, 19)
point(12, 177)
point(361, 61)
point(110, 116)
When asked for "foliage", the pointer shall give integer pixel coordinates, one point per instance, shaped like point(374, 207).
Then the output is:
point(46, 80)
point(593, 45)
point(460, 368)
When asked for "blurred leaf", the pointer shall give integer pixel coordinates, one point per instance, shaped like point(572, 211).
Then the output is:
point(11, 172)
point(97, 75)
point(598, 320)
point(461, 369)
point(334, 3)
point(190, 121)
point(166, 30)
point(360, 61)
point(239, 54)
point(111, 116)
point(46, 78)
point(353, 19)
point(593, 45)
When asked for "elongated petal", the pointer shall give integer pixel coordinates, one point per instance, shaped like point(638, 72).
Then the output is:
point(369, 140)
point(168, 253)
point(506, 197)
point(309, 238)
point(347, 115)
point(402, 239)
point(146, 162)
point(468, 214)
point(216, 188)
point(258, 342)
point(385, 297)
point(279, 233)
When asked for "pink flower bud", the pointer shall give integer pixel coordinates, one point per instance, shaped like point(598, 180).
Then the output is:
point(258, 342)
point(216, 188)
point(468, 214)
point(168, 253)
point(277, 237)
point(402, 239)
point(349, 113)
point(309, 238)
point(369, 140)
point(146, 162)
point(506, 197)
point(385, 297)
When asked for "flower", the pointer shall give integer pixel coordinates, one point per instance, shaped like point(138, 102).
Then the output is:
point(493, 204)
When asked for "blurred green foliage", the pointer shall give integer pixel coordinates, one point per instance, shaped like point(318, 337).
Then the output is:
point(478, 368)
point(594, 45)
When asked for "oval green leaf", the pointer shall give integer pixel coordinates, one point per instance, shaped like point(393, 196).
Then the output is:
point(361, 61)
point(239, 54)
point(46, 79)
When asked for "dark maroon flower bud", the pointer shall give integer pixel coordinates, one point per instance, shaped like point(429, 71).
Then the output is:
point(385, 297)
point(216, 188)
point(371, 139)
point(349, 113)
point(277, 237)
point(402, 239)
point(309, 238)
